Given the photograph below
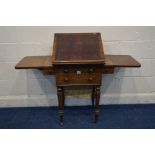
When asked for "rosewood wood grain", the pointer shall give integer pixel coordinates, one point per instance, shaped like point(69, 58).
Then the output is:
point(35, 62)
point(44, 62)
point(60, 94)
point(121, 61)
point(78, 48)
point(67, 75)
point(97, 97)
point(93, 95)
point(77, 59)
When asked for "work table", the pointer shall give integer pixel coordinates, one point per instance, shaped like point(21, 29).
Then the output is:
point(77, 59)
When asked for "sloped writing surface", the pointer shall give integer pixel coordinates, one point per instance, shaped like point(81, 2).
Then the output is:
point(78, 48)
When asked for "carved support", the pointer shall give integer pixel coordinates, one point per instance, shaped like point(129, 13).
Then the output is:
point(97, 103)
point(60, 94)
point(93, 96)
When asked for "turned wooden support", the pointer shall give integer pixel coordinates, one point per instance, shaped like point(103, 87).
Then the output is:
point(97, 97)
point(60, 94)
point(93, 96)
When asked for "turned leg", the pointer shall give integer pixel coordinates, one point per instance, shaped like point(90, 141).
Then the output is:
point(60, 94)
point(93, 96)
point(97, 103)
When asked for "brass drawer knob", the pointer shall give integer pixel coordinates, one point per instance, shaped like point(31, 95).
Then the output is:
point(90, 79)
point(66, 79)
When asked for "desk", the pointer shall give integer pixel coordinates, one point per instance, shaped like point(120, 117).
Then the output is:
point(77, 59)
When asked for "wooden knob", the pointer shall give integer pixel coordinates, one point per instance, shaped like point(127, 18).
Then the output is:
point(91, 70)
point(65, 79)
point(106, 70)
point(90, 79)
point(78, 72)
point(65, 70)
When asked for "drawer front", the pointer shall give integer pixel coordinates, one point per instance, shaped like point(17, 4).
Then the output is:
point(78, 76)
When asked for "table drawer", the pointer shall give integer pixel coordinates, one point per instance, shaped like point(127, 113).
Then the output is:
point(78, 76)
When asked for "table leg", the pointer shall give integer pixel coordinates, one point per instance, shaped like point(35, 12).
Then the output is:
point(93, 96)
point(60, 94)
point(97, 103)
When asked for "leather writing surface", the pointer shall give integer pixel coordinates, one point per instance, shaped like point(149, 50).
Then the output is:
point(78, 47)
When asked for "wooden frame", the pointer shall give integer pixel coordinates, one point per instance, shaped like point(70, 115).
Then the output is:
point(80, 71)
